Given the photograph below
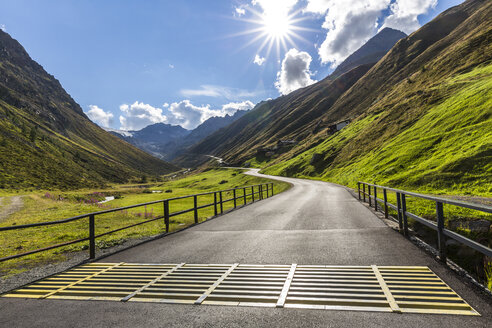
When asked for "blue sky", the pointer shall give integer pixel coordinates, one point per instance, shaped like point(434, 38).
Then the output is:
point(133, 63)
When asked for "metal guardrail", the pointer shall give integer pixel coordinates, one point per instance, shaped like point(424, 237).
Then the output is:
point(403, 214)
point(218, 204)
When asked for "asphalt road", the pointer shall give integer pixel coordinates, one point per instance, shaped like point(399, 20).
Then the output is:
point(312, 223)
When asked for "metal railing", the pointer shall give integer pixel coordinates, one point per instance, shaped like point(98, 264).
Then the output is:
point(438, 226)
point(261, 190)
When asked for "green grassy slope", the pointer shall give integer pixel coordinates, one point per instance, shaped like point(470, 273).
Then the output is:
point(447, 148)
point(46, 141)
point(428, 128)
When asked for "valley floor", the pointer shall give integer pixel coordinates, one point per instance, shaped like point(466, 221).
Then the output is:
point(312, 223)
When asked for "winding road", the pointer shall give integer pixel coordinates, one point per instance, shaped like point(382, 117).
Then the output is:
point(312, 223)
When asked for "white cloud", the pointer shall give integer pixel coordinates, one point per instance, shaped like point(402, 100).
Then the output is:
point(351, 23)
point(3, 28)
point(259, 60)
point(171, 66)
point(189, 116)
point(233, 107)
point(239, 11)
point(138, 115)
point(295, 72)
point(217, 91)
point(404, 14)
point(275, 7)
point(99, 116)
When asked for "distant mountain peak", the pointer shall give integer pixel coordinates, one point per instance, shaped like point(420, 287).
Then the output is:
point(372, 51)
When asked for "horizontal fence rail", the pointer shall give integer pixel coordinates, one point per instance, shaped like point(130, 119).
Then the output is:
point(371, 192)
point(240, 198)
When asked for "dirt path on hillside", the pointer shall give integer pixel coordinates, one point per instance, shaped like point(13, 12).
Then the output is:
point(15, 205)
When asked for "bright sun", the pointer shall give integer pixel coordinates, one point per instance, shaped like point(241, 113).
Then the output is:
point(275, 27)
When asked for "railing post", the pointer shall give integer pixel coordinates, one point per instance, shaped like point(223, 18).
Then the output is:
point(252, 194)
point(272, 188)
point(385, 203)
point(375, 199)
point(244, 195)
point(404, 214)
point(215, 203)
point(364, 191)
point(266, 185)
point(195, 208)
point(92, 237)
point(441, 239)
point(398, 206)
point(234, 194)
point(166, 215)
point(261, 191)
point(358, 189)
point(369, 191)
point(221, 206)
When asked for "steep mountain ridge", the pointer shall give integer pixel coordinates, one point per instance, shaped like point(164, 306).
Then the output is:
point(47, 141)
point(408, 56)
point(372, 51)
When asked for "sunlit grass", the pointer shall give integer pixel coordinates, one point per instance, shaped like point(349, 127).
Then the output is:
point(40, 208)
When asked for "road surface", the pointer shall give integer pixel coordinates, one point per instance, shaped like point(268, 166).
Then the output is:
point(312, 223)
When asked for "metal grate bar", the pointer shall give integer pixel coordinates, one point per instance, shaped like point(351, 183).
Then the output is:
point(211, 288)
point(285, 289)
point(358, 288)
point(126, 298)
point(387, 293)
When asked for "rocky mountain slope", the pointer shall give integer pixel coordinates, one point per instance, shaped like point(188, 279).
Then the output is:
point(46, 140)
point(371, 51)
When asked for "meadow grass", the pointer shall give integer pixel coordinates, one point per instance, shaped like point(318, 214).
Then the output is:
point(42, 207)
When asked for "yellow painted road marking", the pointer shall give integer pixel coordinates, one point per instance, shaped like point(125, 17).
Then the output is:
point(387, 292)
point(83, 279)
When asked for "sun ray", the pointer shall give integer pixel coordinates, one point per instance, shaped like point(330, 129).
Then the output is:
point(250, 42)
point(290, 41)
point(279, 29)
point(298, 37)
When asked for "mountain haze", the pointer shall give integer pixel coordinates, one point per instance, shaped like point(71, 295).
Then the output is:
point(167, 141)
point(47, 141)
point(155, 138)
